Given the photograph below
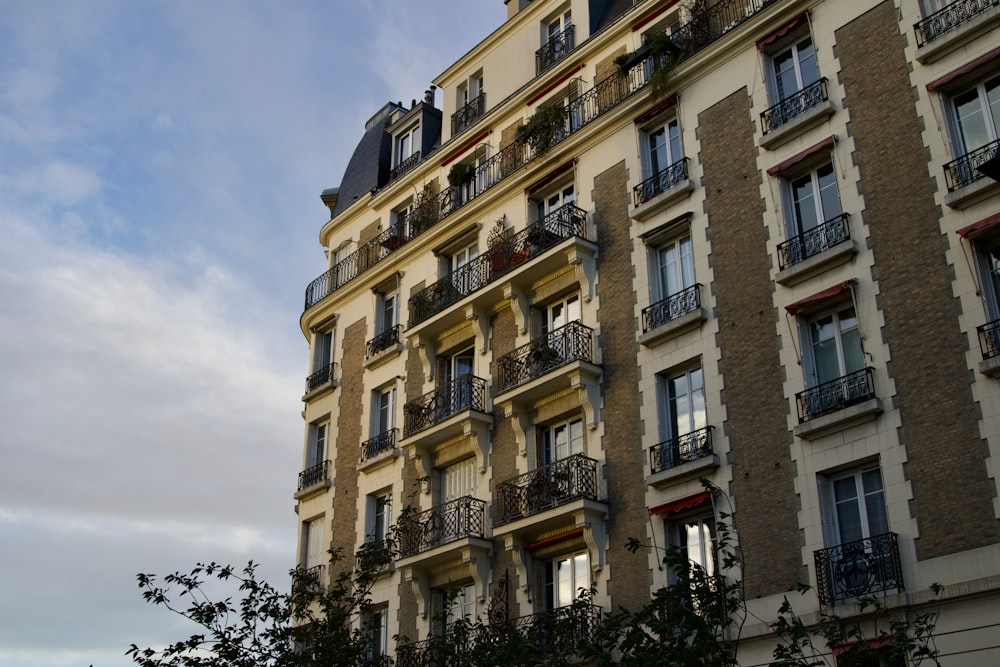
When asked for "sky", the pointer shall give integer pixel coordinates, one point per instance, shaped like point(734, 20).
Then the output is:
point(160, 169)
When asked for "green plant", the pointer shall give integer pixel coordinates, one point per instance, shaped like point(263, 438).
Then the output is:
point(459, 174)
point(544, 129)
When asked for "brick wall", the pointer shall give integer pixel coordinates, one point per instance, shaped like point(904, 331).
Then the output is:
point(756, 410)
point(345, 489)
point(952, 493)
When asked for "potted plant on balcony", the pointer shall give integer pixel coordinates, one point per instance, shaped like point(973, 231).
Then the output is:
point(663, 52)
point(544, 129)
point(460, 173)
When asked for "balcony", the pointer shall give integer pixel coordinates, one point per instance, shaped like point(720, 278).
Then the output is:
point(466, 392)
point(323, 378)
point(404, 166)
point(309, 580)
point(837, 404)
point(948, 21)
point(374, 555)
point(963, 177)
point(859, 568)
point(661, 189)
point(814, 251)
point(555, 484)
point(682, 457)
point(668, 317)
point(378, 449)
point(569, 343)
point(554, 50)
point(384, 346)
point(468, 114)
point(795, 114)
point(314, 478)
point(989, 344)
point(503, 257)
point(463, 517)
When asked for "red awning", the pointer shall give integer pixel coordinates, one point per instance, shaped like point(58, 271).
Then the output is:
point(964, 69)
point(782, 31)
point(819, 297)
point(980, 228)
point(682, 504)
point(795, 159)
point(553, 540)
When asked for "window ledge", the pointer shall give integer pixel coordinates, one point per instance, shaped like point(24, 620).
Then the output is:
point(385, 355)
point(839, 420)
point(818, 263)
point(972, 193)
point(685, 471)
point(990, 367)
point(673, 328)
point(320, 391)
point(313, 489)
point(798, 125)
point(953, 39)
point(661, 201)
point(379, 460)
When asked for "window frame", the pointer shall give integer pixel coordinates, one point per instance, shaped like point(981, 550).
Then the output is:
point(810, 363)
point(991, 123)
point(832, 517)
point(318, 443)
point(378, 519)
point(668, 418)
point(551, 584)
point(575, 441)
point(383, 418)
point(411, 136)
point(313, 551)
point(789, 45)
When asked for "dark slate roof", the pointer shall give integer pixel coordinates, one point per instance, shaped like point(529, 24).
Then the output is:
point(369, 165)
point(604, 12)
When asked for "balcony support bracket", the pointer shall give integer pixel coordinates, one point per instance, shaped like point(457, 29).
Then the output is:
point(479, 563)
point(421, 589)
point(520, 304)
point(480, 323)
point(589, 389)
point(522, 561)
point(586, 270)
point(595, 536)
point(479, 432)
point(428, 357)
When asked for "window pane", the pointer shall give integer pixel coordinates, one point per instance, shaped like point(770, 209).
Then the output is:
point(807, 62)
point(804, 204)
point(971, 121)
point(674, 130)
point(828, 195)
point(848, 513)
point(658, 159)
point(824, 346)
point(878, 522)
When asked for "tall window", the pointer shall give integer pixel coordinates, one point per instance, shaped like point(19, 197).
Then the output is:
point(674, 267)
point(458, 480)
point(662, 147)
point(457, 605)
point(695, 537)
point(457, 381)
point(793, 68)
point(460, 268)
point(322, 350)
point(379, 517)
point(555, 201)
point(562, 440)
point(564, 578)
point(560, 313)
point(682, 403)
point(814, 199)
point(835, 343)
point(388, 311)
point(406, 144)
point(376, 627)
point(316, 450)
point(988, 263)
point(558, 25)
point(858, 502)
point(314, 548)
point(977, 114)
point(384, 411)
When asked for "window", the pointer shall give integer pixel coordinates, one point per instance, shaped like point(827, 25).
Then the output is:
point(384, 411)
point(814, 218)
point(458, 373)
point(553, 202)
point(560, 313)
point(564, 579)
point(470, 103)
point(313, 546)
point(458, 480)
point(376, 627)
point(835, 346)
point(562, 440)
point(406, 145)
point(456, 605)
point(460, 268)
point(316, 447)
point(674, 267)
point(387, 315)
point(975, 121)
point(858, 504)
point(682, 403)
point(793, 69)
point(662, 148)
point(695, 538)
point(379, 517)
point(557, 41)
point(322, 361)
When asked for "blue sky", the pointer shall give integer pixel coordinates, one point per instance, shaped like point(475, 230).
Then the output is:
point(160, 166)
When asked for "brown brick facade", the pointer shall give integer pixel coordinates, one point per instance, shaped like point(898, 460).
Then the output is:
point(624, 456)
point(345, 499)
point(756, 409)
point(952, 493)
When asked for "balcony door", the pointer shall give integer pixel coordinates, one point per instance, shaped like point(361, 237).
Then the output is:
point(836, 346)
point(457, 481)
point(458, 371)
point(564, 579)
point(674, 267)
point(555, 201)
point(793, 69)
point(859, 514)
point(562, 441)
point(460, 266)
point(977, 115)
point(682, 403)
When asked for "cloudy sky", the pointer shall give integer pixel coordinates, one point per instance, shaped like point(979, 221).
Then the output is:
point(160, 166)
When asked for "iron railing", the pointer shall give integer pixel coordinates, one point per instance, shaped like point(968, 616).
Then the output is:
point(503, 257)
point(310, 580)
point(466, 392)
point(793, 106)
point(321, 377)
point(462, 517)
point(859, 568)
point(676, 451)
point(383, 341)
point(468, 114)
point(989, 339)
point(698, 33)
point(822, 237)
point(314, 475)
point(838, 394)
point(686, 301)
point(568, 343)
point(383, 442)
point(554, 50)
point(558, 631)
point(550, 486)
point(404, 166)
point(374, 554)
point(947, 19)
point(660, 182)
point(964, 170)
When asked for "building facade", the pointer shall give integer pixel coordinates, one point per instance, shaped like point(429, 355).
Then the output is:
point(644, 243)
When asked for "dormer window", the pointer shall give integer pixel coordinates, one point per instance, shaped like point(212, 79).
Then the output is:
point(557, 40)
point(407, 145)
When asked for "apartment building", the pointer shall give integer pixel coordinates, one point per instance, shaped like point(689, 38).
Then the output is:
point(623, 246)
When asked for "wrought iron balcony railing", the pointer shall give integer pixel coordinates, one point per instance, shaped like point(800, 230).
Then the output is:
point(822, 237)
point(462, 517)
point(550, 486)
point(660, 182)
point(374, 554)
point(588, 107)
point(560, 630)
point(466, 392)
point(311, 579)
point(663, 311)
point(859, 568)
point(383, 442)
point(468, 114)
point(503, 257)
point(964, 170)
point(676, 451)
point(568, 343)
point(404, 166)
point(321, 377)
point(554, 50)
point(947, 19)
point(793, 106)
point(989, 339)
point(314, 475)
point(383, 341)
point(834, 395)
